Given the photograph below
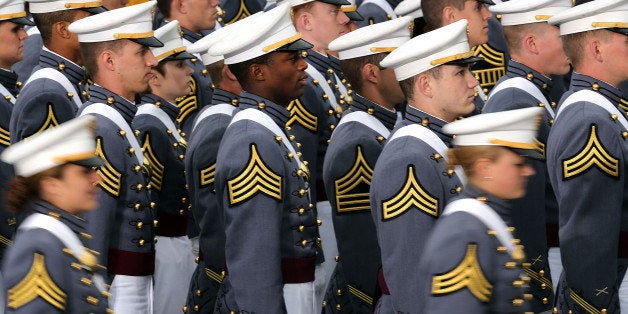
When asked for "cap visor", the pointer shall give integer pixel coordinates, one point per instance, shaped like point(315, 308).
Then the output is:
point(95, 10)
point(23, 21)
point(148, 41)
point(183, 55)
point(623, 31)
point(532, 153)
point(489, 2)
point(354, 16)
point(89, 162)
point(465, 61)
point(296, 46)
point(338, 2)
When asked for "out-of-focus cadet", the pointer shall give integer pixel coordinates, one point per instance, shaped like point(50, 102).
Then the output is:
point(200, 168)
point(115, 49)
point(411, 183)
point(261, 181)
point(412, 8)
point(51, 268)
point(473, 263)
point(377, 11)
point(536, 53)
point(12, 34)
point(355, 145)
point(164, 149)
point(586, 160)
point(194, 16)
point(55, 91)
point(235, 10)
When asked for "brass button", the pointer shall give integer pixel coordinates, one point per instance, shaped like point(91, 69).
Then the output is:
point(338, 292)
point(110, 100)
point(595, 86)
point(541, 104)
point(338, 307)
point(131, 150)
point(122, 133)
point(370, 111)
point(544, 85)
point(458, 189)
point(301, 228)
point(425, 122)
point(139, 186)
point(181, 157)
point(303, 243)
point(155, 223)
point(61, 66)
point(136, 132)
point(298, 145)
point(137, 168)
point(530, 76)
point(158, 104)
point(510, 265)
point(299, 154)
point(330, 71)
point(437, 156)
point(261, 105)
point(527, 297)
point(316, 82)
point(278, 138)
point(545, 300)
point(137, 206)
point(91, 300)
point(332, 127)
point(302, 192)
point(542, 273)
point(290, 155)
point(301, 211)
point(543, 286)
point(140, 225)
point(141, 242)
point(325, 96)
point(303, 54)
point(380, 138)
point(181, 212)
point(501, 249)
point(204, 72)
point(613, 117)
point(330, 112)
point(450, 172)
point(175, 144)
point(152, 205)
point(517, 302)
point(300, 173)
point(196, 308)
point(185, 308)
point(70, 95)
point(319, 222)
point(198, 293)
point(624, 134)
point(169, 132)
point(291, 138)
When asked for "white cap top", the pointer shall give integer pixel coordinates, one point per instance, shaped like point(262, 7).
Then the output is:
point(411, 8)
point(598, 14)
point(132, 22)
point(372, 39)
point(513, 128)
point(45, 6)
point(170, 36)
point(517, 12)
point(11, 9)
point(72, 141)
point(260, 34)
point(446, 44)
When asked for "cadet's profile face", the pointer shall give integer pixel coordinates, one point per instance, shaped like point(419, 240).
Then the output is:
point(133, 67)
point(551, 50)
point(76, 190)
point(12, 36)
point(390, 88)
point(508, 175)
point(175, 82)
point(114, 4)
point(453, 91)
point(328, 22)
point(201, 14)
point(613, 46)
point(78, 14)
point(477, 16)
point(286, 76)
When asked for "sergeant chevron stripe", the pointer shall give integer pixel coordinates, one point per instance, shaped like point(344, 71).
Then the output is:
point(410, 195)
point(348, 198)
point(300, 115)
point(213, 275)
point(255, 178)
point(36, 283)
point(50, 122)
point(5, 137)
point(157, 168)
point(208, 175)
point(468, 274)
point(593, 154)
point(243, 12)
point(109, 177)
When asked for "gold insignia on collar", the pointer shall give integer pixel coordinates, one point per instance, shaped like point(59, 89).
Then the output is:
point(255, 178)
point(468, 274)
point(300, 115)
point(156, 166)
point(496, 68)
point(352, 189)
point(110, 178)
point(243, 12)
point(593, 154)
point(208, 175)
point(189, 103)
point(50, 122)
point(37, 283)
point(5, 137)
point(411, 195)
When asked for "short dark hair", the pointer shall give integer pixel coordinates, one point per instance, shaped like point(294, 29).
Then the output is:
point(241, 70)
point(45, 21)
point(164, 7)
point(407, 85)
point(91, 51)
point(215, 72)
point(573, 44)
point(433, 9)
point(352, 68)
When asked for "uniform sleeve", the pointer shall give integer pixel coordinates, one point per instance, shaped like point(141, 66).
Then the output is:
point(157, 151)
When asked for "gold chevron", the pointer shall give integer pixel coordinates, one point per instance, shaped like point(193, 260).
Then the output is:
point(468, 274)
point(536, 276)
point(188, 104)
point(300, 115)
point(5, 137)
point(213, 275)
point(360, 295)
point(110, 178)
point(361, 172)
point(208, 175)
point(37, 283)
point(156, 167)
point(623, 104)
point(410, 195)
point(583, 303)
point(540, 146)
point(243, 12)
point(50, 122)
point(5, 241)
point(592, 154)
point(488, 77)
point(255, 178)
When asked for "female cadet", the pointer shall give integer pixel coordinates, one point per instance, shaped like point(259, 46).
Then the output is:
point(472, 263)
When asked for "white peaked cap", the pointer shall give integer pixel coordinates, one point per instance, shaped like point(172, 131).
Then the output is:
point(598, 14)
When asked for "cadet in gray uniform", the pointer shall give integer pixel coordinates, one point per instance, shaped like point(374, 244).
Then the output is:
point(586, 160)
point(261, 182)
point(200, 165)
point(50, 268)
point(537, 53)
point(55, 90)
point(355, 146)
point(411, 183)
point(123, 223)
point(472, 262)
point(164, 149)
point(377, 11)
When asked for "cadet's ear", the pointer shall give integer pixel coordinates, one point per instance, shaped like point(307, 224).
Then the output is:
point(179, 6)
point(257, 72)
point(529, 43)
point(303, 21)
point(448, 15)
point(60, 29)
point(423, 85)
point(228, 74)
point(482, 168)
point(370, 73)
point(107, 60)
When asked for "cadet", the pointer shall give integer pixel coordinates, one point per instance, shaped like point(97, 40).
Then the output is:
point(411, 183)
point(586, 159)
point(52, 94)
point(355, 145)
point(13, 35)
point(412, 9)
point(164, 149)
point(50, 268)
point(537, 53)
point(200, 165)
point(115, 49)
point(377, 11)
point(261, 181)
point(472, 262)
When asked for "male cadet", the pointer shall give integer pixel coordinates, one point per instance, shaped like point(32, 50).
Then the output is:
point(355, 145)
point(164, 149)
point(194, 16)
point(261, 182)
point(115, 50)
point(536, 53)
point(411, 183)
point(377, 11)
point(12, 21)
point(586, 159)
point(200, 168)
point(53, 93)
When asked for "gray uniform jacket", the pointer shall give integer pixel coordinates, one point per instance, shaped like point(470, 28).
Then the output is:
point(7, 219)
point(410, 188)
point(235, 10)
point(586, 158)
point(373, 13)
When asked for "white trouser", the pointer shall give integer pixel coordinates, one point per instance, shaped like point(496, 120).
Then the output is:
point(131, 294)
point(623, 295)
point(555, 265)
point(330, 250)
point(174, 265)
point(299, 298)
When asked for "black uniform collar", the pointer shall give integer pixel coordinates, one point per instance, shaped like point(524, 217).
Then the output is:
point(542, 82)
point(8, 79)
point(222, 96)
point(387, 117)
point(99, 94)
point(75, 223)
point(581, 81)
point(71, 70)
point(190, 35)
point(500, 206)
point(278, 113)
point(435, 124)
point(169, 108)
point(320, 62)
